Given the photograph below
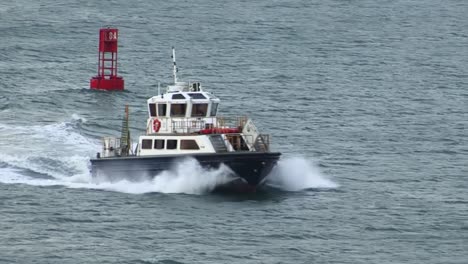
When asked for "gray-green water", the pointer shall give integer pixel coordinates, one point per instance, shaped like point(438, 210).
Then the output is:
point(367, 100)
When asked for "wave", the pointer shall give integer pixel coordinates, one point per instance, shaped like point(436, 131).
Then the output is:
point(54, 150)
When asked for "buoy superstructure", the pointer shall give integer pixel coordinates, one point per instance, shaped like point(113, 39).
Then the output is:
point(107, 78)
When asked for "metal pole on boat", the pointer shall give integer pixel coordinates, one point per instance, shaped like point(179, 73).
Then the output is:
point(174, 69)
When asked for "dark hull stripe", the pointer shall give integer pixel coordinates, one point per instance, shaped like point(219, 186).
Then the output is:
point(250, 166)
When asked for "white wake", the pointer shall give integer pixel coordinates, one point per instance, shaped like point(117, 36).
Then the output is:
point(187, 176)
point(57, 154)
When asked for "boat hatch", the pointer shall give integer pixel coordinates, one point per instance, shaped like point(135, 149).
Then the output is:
point(197, 96)
point(178, 96)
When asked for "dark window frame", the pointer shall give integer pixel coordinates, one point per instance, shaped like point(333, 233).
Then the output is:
point(162, 109)
point(171, 144)
point(178, 96)
point(189, 144)
point(197, 96)
point(156, 146)
point(214, 109)
point(179, 115)
point(146, 145)
point(196, 110)
point(152, 109)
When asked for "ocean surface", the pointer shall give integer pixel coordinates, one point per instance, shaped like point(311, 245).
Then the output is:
point(367, 100)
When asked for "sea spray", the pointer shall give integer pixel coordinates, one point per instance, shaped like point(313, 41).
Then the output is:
point(187, 176)
point(298, 173)
point(190, 177)
point(45, 154)
point(54, 151)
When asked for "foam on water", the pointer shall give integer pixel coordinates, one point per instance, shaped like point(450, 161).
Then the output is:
point(55, 150)
point(51, 152)
point(186, 176)
point(14, 176)
point(298, 173)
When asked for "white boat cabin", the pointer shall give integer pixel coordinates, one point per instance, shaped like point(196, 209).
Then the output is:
point(184, 108)
point(184, 120)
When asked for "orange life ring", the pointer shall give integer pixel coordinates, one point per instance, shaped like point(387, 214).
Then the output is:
point(156, 125)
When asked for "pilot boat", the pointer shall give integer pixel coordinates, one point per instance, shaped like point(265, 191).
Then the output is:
point(183, 123)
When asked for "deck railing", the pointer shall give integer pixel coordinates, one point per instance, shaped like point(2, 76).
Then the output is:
point(190, 125)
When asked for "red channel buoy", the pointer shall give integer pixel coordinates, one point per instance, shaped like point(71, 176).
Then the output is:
point(107, 78)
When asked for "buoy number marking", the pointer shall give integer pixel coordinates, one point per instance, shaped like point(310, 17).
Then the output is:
point(112, 36)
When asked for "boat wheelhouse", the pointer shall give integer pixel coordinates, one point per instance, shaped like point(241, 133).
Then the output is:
point(184, 120)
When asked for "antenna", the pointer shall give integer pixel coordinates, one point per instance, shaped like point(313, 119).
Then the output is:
point(174, 69)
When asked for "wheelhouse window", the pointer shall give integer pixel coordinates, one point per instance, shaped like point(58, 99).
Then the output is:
point(196, 86)
point(197, 96)
point(178, 96)
point(188, 144)
point(146, 143)
point(199, 110)
point(178, 110)
point(214, 109)
point(152, 109)
point(172, 144)
point(159, 144)
point(162, 109)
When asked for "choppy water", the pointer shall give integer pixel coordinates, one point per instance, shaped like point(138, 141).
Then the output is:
point(367, 100)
